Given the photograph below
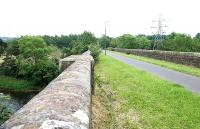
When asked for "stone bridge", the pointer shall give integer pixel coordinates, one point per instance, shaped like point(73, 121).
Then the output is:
point(64, 103)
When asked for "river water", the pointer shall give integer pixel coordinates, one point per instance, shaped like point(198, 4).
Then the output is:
point(16, 100)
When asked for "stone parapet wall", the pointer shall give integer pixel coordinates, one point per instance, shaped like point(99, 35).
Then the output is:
point(186, 58)
point(64, 103)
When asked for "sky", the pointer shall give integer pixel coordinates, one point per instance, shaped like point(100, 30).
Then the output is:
point(57, 17)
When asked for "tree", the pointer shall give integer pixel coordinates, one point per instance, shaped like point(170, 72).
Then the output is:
point(143, 42)
point(177, 42)
point(13, 47)
point(66, 52)
point(44, 71)
point(197, 36)
point(30, 58)
point(127, 41)
point(62, 41)
point(79, 47)
point(196, 45)
point(105, 40)
point(33, 51)
point(33, 48)
point(114, 42)
point(2, 47)
point(87, 38)
point(131, 42)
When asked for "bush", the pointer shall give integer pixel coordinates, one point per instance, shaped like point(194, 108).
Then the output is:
point(44, 72)
point(30, 58)
point(66, 52)
point(79, 48)
point(4, 111)
point(3, 46)
point(9, 66)
point(95, 51)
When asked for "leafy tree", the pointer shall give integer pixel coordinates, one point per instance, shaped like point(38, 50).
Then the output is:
point(36, 57)
point(127, 41)
point(29, 57)
point(114, 42)
point(54, 52)
point(78, 48)
point(131, 42)
point(2, 47)
point(87, 38)
point(33, 48)
point(143, 42)
point(196, 45)
point(44, 71)
point(66, 52)
point(177, 42)
point(72, 44)
point(105, 40)
point(197, 36)
point(9, 66)
point(171, 42)
point(62, 41)
point(35, 52)
point(13, 47)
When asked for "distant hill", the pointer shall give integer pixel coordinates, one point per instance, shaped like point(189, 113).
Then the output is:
point(5, 38)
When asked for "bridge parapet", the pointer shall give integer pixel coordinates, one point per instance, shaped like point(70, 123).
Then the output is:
point(64, 103)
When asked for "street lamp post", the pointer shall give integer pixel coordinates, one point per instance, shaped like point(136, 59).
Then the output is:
point(105, 35)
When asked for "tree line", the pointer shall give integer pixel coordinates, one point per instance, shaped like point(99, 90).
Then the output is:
point(36, 58)
point(172, 42)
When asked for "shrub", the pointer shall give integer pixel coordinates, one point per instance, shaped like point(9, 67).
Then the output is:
point(4, 111)
point(44, 72)
point(95, 51)
point(30, 58)
point(79, 48)
point(9, 66)
point(66, 52)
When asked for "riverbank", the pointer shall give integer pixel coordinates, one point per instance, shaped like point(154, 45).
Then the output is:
point(11, 102)
point(12, 84)
point(18, 92)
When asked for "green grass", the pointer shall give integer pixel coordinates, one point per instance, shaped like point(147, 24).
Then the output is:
point(178, 67)
point(142, 100)
point(11, 83)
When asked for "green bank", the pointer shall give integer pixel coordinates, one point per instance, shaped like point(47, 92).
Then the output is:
point(131, 98)
point(12, 84)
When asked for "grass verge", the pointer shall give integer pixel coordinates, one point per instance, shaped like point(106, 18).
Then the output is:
point(141, 100)
point(101, 107)
point(12, 84)
point(178, 67)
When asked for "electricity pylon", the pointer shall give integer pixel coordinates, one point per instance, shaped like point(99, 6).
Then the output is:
point(158, 36)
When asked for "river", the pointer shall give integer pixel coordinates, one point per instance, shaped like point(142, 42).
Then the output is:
point(16, 100)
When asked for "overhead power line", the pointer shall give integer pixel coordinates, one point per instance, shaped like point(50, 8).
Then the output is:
point(158, 34)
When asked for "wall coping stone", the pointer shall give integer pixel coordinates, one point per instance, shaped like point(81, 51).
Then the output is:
point(64, 103)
